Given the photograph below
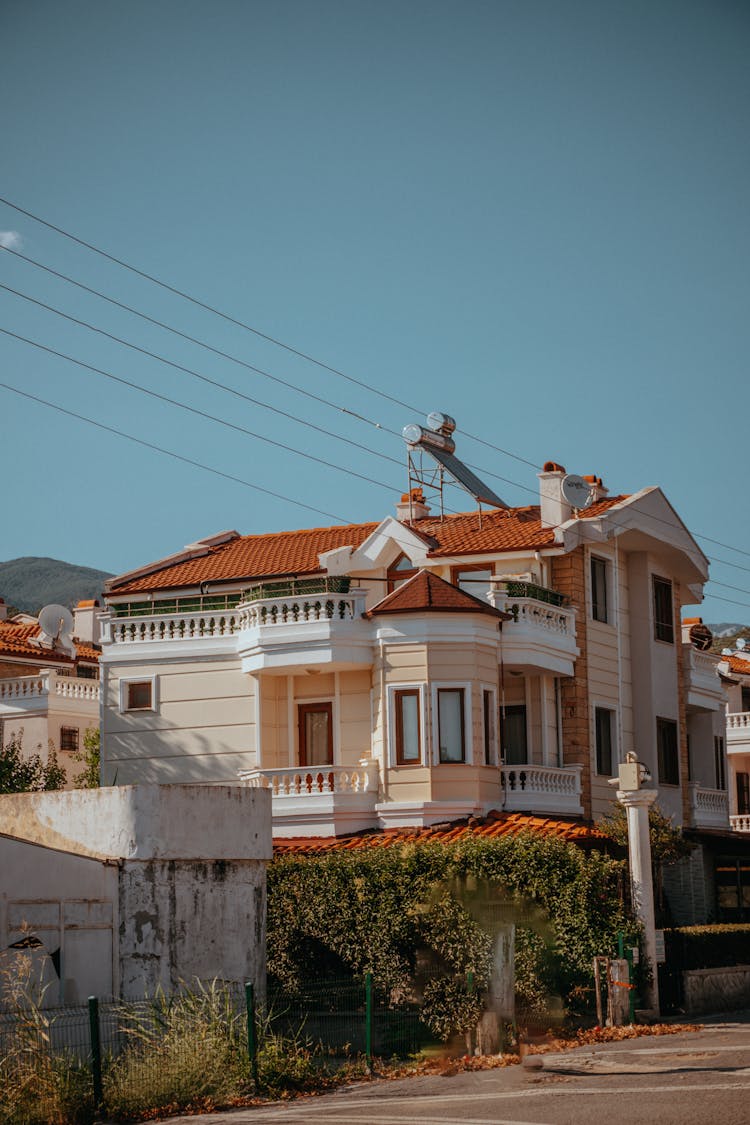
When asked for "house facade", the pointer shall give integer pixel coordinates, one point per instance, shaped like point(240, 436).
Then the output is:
point(422, 669)
point(49, 686)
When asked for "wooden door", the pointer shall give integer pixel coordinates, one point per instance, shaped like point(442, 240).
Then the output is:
point(315, 724)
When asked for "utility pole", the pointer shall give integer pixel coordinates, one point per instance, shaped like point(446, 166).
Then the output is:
point(637, 802)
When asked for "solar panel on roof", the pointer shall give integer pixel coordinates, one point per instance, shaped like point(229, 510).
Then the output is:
point(438, 442)
point(466, 478)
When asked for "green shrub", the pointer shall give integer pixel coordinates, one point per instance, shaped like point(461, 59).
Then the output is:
point(709, 947)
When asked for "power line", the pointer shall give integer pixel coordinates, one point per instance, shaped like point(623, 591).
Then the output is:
point(171, 453)
point(194, 410)
point(242, 324)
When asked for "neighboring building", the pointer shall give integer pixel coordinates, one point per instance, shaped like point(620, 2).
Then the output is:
point(422, 670)
point(735, 668)
point(49, 686)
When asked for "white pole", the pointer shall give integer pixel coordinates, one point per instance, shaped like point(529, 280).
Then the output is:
point(637, 803)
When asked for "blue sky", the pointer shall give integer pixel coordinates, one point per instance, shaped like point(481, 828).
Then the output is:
point(530, 215)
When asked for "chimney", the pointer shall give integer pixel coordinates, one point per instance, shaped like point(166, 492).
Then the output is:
point(414, 508)
point(86, 622)
point(3, 610)
point(597, 487)
point(554, 510)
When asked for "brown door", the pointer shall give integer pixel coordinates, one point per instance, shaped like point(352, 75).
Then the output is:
point(315, 721)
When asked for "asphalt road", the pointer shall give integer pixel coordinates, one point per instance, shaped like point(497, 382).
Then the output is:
point(691, 1078)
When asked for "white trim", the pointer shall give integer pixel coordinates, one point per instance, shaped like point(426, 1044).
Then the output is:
point(390, 734)
point(495, 728)
point(452, 685)
point(153, 680)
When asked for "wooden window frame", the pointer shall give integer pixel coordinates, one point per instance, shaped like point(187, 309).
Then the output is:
point(304, 709)
point(664, 767)
point(598, 612)
point(70, 735)
point(394, 576)
point(599, 760)
point(461, 692)
point(515, 708)
point(489, 726)
point(398, 722)
point(130, 688)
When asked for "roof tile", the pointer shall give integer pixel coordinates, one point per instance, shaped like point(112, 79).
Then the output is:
point(15, 640)
point(427, 593)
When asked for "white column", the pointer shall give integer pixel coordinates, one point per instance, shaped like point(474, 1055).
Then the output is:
point(637, 803)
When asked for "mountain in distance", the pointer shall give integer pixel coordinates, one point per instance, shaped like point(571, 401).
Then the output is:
point(726, 635)
point(30, 583)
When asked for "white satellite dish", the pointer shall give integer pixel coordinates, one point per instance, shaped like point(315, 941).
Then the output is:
point(727, 652)
point(56, 625)
point(576, 491)
point(740, 643)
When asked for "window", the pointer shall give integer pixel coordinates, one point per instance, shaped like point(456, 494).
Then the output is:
point(138, 695)
point(604, 728)
point(513, 735)
point(743, 794)
point(719, 768)
point(84, 672)
point(399, 572)
point(488, 726)
point(667, 752)
point(451, 735)
point(408, 727)
point(69, 739)
point(663, 614)
point(476, 581)
point(315, 725)
point(599, 582)
point(745, 704)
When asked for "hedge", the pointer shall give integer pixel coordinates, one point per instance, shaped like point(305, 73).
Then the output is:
point(710, 947)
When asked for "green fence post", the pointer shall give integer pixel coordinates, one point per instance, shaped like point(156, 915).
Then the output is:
point(631, 990)
point(470, 983)
point(96, 1051)
point(368, 1019)
point(252, 1039)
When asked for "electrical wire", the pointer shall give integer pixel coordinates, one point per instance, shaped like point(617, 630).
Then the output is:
point(171, 453)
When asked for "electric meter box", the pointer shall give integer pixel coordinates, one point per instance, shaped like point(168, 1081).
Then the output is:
point(629, 774)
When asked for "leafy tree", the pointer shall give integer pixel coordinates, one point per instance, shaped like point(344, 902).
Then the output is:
point(90, 756)
point(668, 845)
point(21, 774)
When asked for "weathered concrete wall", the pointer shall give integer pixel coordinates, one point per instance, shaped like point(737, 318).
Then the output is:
point(189, 897)
point(717, 990)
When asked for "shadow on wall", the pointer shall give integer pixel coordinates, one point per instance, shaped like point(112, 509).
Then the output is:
point(163, 761)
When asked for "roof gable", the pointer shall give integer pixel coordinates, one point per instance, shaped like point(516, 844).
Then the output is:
point(426, 593)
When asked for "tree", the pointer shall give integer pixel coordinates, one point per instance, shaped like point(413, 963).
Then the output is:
point(21, 774)
point(668, 845)
point(89, 777)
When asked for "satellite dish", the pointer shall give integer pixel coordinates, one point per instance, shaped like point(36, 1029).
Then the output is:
point(740, 643)
point(727, 652)
point(576, 491)
point(56, 625)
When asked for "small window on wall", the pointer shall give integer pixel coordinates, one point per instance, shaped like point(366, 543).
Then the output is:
point(451, 734)
point(513, 735)
point(663, 612)
point(408, 727)
point(719, 760)
point(69, 739)
point(138, 695)
point(604, 731)
point(599, 582)
point(399, 572)
point(667, 752)
point(488, 726)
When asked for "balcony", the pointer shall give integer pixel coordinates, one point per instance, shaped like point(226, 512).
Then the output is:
point(544, 789)
point(541, 637)
point(290, 633)
point(710, 807)
point(319, 800)
point(704, 691)
point(33, 694)
point(738, 732)
point(740, 823)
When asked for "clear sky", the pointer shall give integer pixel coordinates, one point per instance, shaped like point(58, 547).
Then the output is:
point(531, 215)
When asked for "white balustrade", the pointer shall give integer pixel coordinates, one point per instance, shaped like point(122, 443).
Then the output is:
point(710, 807)
point(738, 732)
point(19, 690)
point(311, 781)
point(301, 609)
point(530, 788)
point(171, 627)
point(24, 687)
point(539, 615)
point(738, 720)
point(740, 823)
point(71, 687)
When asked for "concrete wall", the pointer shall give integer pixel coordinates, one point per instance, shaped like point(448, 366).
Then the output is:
point(716, 990)
point(187, 897)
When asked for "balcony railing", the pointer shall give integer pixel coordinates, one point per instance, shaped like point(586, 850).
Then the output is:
point(169, 627)
point(518, 589)
point(710, 807)
point(301, 782)
point(20, 691)
point(738, 731)
point(541, 637)
point(740, 823)
point(542, 789)
point(291, 610)
point(704, 688)
point(319, 800)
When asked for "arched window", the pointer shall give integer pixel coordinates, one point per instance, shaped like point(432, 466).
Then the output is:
point(400, 570)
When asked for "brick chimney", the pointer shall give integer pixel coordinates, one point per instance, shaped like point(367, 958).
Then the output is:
point(416, 509)
point(598, 488)
point(554, 510)
point(86, 621)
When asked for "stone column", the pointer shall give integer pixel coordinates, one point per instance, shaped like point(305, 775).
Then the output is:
point(637, 803)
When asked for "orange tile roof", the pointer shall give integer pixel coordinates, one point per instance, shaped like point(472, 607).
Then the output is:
point(249, 557)
point(15, 640)
point(495, 825)
point(427, 593)
point(738, 664)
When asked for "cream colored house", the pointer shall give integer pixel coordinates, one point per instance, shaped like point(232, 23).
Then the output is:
point(735, 668)
point(421, 669)
point(49, 687)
